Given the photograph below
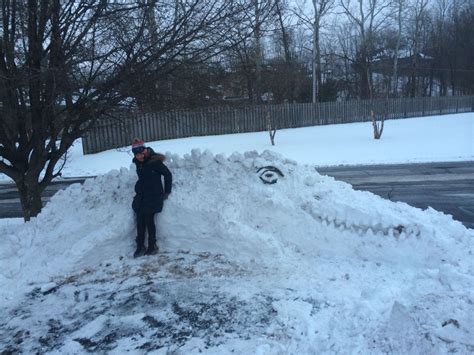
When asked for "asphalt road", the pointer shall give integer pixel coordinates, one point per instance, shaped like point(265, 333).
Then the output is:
point(10, 202)
point(446, 187)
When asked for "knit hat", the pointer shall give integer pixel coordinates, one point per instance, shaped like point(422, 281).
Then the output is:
point(138, 146)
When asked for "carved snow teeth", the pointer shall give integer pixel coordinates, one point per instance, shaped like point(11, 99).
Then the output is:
point(399, 231)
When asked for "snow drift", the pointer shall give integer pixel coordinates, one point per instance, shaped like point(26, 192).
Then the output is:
point(346, 270)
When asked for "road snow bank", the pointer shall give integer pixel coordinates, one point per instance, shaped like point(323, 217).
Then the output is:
point(376, 261)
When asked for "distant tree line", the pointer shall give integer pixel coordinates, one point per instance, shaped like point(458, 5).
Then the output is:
point(325, 50)
point(64, 64)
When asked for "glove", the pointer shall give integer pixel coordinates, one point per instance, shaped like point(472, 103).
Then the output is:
point(165, 197)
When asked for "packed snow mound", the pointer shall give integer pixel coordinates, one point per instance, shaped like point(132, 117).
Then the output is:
point(314, 266)
point(237, 206)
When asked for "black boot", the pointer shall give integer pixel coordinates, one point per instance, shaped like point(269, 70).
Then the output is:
point(139, 252)
point(140, 239)
point(152, 249)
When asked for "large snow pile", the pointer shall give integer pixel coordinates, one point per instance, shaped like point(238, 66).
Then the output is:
point(301, 265)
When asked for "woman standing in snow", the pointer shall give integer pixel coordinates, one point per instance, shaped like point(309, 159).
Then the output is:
point(149, 194)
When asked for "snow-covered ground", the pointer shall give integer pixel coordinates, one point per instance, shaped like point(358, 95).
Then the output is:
point(304, 265)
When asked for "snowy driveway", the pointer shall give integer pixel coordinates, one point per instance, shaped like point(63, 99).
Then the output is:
point(148, 304)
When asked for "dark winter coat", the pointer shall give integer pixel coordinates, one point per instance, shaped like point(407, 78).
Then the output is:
point(149, 187)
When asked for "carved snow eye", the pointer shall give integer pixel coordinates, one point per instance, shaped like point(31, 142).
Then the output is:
point(269, 174)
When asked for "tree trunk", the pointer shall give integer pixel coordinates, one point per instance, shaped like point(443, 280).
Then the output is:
point(364, 83)
point(30, 198)
point(258, 54)
point(316, 58)
point(397, 49)
point(315, 82)
point(288, 60)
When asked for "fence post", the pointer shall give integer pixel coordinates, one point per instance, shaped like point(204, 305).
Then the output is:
point(85, 143)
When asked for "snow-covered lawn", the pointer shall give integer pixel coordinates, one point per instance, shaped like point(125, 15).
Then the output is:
point(303, 266)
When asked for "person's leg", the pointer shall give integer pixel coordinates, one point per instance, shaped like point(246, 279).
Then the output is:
point(150, 223)
point(141, 225)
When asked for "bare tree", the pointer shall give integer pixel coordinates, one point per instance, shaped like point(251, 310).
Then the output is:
point(258, 53)
point(272, 129)
point(247, 56)
point(280, 9)
point(378, 123)
point(418, 23)
point(369, 17)
point(345, 49)
point(400, 5)
point(440, 44)
point(320, 9)
point(63, 64)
